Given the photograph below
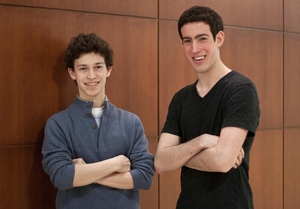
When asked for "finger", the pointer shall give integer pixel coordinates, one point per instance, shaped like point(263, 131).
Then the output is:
point(242, 153)
point(235, 165)
point(238, 161)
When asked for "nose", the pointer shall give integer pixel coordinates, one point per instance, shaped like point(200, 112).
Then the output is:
point(195, 47)
point(91, 74)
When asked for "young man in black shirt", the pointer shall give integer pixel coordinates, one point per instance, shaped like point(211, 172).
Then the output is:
point(211, 123)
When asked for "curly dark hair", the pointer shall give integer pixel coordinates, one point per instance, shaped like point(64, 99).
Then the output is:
point(201, 14)
point(88, 43)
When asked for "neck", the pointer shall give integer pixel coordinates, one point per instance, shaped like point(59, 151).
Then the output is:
point(98, 102)
point(208, 79)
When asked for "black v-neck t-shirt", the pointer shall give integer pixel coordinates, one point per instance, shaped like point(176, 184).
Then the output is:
point(233, 102)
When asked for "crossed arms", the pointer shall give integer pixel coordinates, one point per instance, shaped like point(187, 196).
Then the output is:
point(205, 152)
point(113, 172)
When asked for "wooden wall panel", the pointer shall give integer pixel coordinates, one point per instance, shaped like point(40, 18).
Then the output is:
point(169, 189)
point(266, 169)
point(31, 56)
point(257, 54)
point(24, 185)
point(291, 16)
point(149, 198)
point(129, 7)
point(291, 168)
point(266, 14)
point(291, 80)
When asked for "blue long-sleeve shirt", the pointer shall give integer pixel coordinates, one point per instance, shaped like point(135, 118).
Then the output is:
point(73, 133)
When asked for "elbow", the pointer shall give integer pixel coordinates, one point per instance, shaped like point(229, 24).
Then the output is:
point(61, 184)
point(224, 166)
point(160, 168)
point(144, 184)
point(147, 186)
point(62, 178)
point(142, 179)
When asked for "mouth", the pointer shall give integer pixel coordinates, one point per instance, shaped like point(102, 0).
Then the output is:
point(92, 83)
point(199, 59)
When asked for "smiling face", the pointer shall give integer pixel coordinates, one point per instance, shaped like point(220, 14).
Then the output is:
point(90, 73)
point(200, 47)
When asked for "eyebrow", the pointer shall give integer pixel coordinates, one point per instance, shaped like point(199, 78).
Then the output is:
point(197, 36)
point(97, 63)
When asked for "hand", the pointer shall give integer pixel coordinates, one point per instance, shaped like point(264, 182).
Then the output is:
point(123, 163)
point(239, 158)
point(78, 161)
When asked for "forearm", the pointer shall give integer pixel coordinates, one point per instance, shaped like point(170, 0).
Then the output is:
point(117, 180)
point(174, 157)
point(215, 160)
point(88, 173)
point(224, 155)
point(205, 161)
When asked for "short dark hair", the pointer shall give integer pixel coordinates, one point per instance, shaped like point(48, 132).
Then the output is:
point(88, 43)
point(201, 14)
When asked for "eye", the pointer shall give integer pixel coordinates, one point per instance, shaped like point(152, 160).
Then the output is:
point(186, 41)
point(202, 39)
point(98, 67)
point(82, 68)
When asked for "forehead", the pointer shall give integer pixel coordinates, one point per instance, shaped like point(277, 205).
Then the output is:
point(195, 28)
point(89, 58)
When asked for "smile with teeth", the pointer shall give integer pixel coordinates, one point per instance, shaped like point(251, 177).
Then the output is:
point(91, 84)
point(198, 58)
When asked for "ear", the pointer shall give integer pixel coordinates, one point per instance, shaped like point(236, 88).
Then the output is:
point(72, 73)
point(220, 37)
point(109, 69)
point(180, 41)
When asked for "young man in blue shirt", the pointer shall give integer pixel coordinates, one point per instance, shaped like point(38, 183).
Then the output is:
point(95, 153)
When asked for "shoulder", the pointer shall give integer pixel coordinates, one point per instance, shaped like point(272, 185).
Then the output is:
point(69, 114)
point(120, 113)
point(235, 82)
point(62, 117)
point(236, 78)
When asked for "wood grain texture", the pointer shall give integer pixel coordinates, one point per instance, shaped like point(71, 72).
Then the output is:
point(291, 168)
point(266, 169)
point(266, 14)
point(23, 181)
point(129, 7)
point(291, 16)
point(291, 80)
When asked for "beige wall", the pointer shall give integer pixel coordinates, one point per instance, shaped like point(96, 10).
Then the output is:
point(262, 42)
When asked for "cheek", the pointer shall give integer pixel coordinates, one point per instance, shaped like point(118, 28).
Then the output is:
point(187, 49)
